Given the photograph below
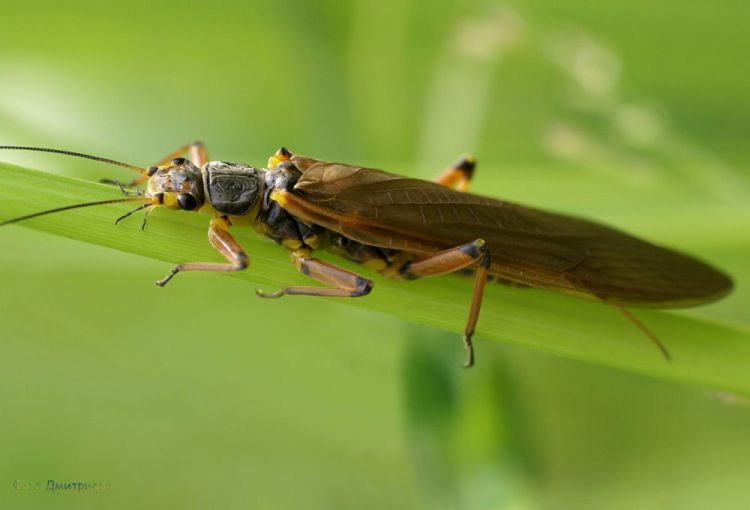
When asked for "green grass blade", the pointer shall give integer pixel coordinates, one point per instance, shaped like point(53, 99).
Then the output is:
point(706, 350)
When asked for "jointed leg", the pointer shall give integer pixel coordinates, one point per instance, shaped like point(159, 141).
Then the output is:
point(225, 244)
point(449, 261)
point(458, 175)
point(342, 283)
point(196, 151)
point(646, 331)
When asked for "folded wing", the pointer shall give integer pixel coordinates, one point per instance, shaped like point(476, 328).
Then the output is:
point(530, 246)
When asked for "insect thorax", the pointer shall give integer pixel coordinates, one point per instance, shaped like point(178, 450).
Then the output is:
point(278, 224)
point(284, 228)
point(232, 188)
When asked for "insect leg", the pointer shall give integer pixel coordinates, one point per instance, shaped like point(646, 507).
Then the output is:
point(196, 151)
point(645, 331)
point(342, 283)
point(458, 175)
point(449, 261)
point(225, 244)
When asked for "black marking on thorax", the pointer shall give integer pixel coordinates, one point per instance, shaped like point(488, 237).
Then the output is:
point(280, 225)
point(232, 188)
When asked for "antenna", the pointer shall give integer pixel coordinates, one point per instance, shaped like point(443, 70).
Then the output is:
point(76, 206)
point(76, 154)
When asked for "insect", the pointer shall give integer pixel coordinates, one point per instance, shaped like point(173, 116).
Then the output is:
point(406, 229)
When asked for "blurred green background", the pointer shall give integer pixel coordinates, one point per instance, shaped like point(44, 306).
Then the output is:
point(201, 395)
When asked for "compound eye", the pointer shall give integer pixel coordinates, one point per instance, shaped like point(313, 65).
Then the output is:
point(186, 201)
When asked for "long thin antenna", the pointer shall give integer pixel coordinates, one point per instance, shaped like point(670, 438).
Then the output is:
point(646, 331)
point(76, 154)
point(68, 207)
